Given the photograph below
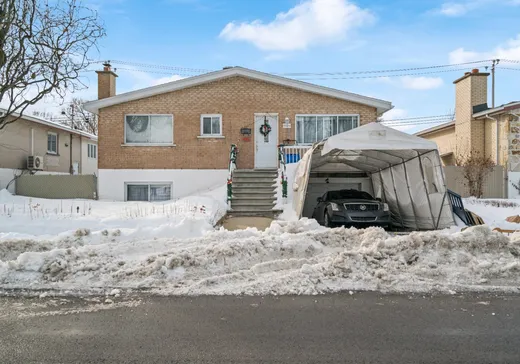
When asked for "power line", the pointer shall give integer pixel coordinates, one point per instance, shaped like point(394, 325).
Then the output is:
point(148, 65)
point(422, 117)
point(384, 71)
point(420, 123)
point(302, 79)
point(381, 76)
point(509, 68)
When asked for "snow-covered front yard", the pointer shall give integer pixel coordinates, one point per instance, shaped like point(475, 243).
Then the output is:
point(173, 248)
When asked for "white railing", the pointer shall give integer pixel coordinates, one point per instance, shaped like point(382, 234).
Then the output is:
point(293, 153)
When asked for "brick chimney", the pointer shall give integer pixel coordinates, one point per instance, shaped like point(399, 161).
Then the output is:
point(106, 82)
point(470, 92)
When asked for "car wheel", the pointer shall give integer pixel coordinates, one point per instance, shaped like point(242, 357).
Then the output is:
point(326, 220)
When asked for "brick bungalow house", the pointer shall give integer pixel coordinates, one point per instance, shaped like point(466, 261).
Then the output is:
point(174, 139)
point(477, 128)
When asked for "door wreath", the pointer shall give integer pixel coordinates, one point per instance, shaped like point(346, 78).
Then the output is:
point(265, 128)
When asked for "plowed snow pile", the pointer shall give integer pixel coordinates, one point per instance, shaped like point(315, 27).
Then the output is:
point(288, 258)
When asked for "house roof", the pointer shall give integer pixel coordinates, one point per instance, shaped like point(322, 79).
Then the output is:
point(94, 106)
point(448, 125)
point(52, 124)
point(500, 109)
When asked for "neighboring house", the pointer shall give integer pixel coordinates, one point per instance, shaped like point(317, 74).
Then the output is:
point(30, 137)
point(174, 139)
point(492, 132)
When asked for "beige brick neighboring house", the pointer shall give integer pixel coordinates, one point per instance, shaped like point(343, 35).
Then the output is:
point(33, 136)
point(178, 135)
point(475, 127)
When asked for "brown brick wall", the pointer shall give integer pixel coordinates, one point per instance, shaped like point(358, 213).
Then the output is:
point(237, 99)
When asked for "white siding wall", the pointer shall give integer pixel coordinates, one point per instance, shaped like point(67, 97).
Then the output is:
point(185, 182)
point(88, 165)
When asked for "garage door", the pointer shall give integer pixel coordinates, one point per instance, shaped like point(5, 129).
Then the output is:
point(317, 189)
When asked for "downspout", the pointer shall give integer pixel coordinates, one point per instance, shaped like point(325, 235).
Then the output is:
point(497, 139)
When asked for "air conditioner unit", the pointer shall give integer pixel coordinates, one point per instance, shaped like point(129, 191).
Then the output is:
point(35, 162)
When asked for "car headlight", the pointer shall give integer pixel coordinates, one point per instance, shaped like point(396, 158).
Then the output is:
point(334, 206)
point(385, 207)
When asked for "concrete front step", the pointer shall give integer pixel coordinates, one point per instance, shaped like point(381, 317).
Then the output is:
point(252, 203)
point(270, 170)
point(260, 185)
point(240, 179)
point(255, 175)
point(249, 196)
point(254, 195)
point(261, 213)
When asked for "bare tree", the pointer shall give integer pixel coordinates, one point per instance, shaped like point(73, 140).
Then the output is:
point(79, 118)
point(43, 114)
point(475, 169)
point(43, 50)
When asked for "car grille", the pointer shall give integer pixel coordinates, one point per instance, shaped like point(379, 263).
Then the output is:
point(357, 206)
point(363, 219)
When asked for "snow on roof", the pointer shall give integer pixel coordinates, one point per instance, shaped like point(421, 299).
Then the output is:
point(94, 106)
point(52, 124)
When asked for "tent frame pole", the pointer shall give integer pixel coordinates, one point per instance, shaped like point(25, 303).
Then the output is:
point(407, 184)
point(445, 192)
point(426, 187)
point(397, 198)
point(382, 185)
point(410, 194)
point(417, 156)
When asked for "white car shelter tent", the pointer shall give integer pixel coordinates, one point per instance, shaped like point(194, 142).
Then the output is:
point(405, 171)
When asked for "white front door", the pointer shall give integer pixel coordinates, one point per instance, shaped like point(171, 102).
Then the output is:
point(266, 146)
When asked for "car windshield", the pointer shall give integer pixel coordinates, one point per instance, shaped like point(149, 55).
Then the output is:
point(347, 195)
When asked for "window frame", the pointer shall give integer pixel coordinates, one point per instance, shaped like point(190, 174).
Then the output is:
point(318, 115)
point(170, 184)
point(91, 147)
point(49, 133)
point(149, 144)
point(202, 135)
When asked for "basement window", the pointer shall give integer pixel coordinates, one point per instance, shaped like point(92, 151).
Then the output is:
point(148, 192)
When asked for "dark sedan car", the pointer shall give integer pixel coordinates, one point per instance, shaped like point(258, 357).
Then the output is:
point(351, 208)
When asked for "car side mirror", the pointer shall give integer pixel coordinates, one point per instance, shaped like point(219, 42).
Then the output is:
point(319, 199)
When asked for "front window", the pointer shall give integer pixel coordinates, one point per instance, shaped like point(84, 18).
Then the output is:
point(92, 151)
point(314, 128)
point(211, 125)
point(148, 192)
point(149, 129)
point(52, 143)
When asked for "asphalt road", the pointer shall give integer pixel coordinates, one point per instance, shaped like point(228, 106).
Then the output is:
point(358, 328)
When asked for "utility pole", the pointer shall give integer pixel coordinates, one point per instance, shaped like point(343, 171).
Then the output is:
point(71, 167)
point(493, 66)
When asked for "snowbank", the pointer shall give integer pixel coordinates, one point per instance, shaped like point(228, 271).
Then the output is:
point(31, 218)
point(290, 257)
point(495, 211)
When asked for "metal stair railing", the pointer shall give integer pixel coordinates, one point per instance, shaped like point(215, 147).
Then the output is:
point(458, 209)
point(233, 153)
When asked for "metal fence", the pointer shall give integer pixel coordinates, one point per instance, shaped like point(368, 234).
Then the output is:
point(494, 186)
point(57, 186)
